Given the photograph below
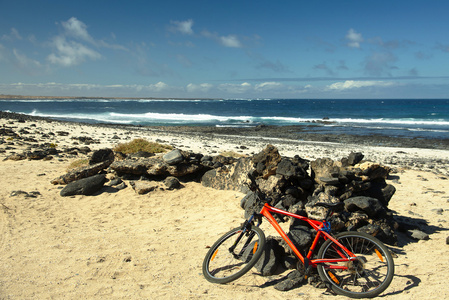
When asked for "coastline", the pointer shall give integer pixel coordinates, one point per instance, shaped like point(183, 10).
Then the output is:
point(418, 154)
point(122, 245)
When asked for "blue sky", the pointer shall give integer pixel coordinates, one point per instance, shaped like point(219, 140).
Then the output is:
point(225, 49)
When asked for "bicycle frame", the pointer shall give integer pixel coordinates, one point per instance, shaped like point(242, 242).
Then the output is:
point(320, 227)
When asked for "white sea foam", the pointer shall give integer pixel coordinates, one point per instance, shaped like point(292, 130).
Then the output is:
point(358, 121)
point(91, 117)
point(186, 118)
point(145, 117)
point(179, 118)
point(406, 121)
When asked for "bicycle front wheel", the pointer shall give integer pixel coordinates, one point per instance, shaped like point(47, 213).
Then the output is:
point(234, 254)
point(366, 277)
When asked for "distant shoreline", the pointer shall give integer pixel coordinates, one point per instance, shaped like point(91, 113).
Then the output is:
point(21, 97)
point(24, 97)
point(291, 132)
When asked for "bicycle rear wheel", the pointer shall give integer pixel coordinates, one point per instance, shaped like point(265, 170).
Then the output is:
point(366, 277)
point(233, 254)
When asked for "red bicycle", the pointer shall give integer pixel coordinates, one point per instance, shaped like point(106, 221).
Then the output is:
point(353, 264)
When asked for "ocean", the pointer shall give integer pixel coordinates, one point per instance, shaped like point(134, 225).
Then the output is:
point(425, 118)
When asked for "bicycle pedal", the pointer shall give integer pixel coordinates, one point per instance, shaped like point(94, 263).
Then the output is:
point(307, 272)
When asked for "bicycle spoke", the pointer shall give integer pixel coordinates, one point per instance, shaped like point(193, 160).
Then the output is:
point(367, 275)
point(233, 255)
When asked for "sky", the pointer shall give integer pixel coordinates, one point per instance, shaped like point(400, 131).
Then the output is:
point(225, 49)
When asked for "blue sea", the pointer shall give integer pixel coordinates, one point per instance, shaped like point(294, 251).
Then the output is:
point(398, 118)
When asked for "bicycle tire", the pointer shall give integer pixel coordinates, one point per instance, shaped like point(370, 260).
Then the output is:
point(220, 265)
point(366, 278)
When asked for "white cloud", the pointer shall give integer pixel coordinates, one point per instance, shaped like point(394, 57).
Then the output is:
point(70, 48)
point(157, 87)
point(73, 46)
point(230, 41)
point(75, 28)
point(203, 87)
point(81, 89)
point(351, 84)
point(185, 27)
point(70, 53)
point(354, 38)
point(235, 88)
point(24, 61)
point(268, 86)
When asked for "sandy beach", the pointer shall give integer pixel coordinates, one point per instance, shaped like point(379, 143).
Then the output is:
point(120, 245)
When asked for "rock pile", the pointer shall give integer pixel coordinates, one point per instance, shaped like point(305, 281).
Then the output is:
point(361, 186)
point(145, 172)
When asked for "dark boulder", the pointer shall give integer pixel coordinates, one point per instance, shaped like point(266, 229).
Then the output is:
point(375, 171)
point(301, 236)
point(371, 206)
point(172, 183)
point(266, 162)
point(173, 157)
point(249, 204)
point(100, 156)
point(325, 168)
point(354, 158)
point(178, 170)
point(157, 166)
point(115, 182)
point(80, 173)
point(380, 190)
point(231, 177)
point(36, 155)
point(269, 261)
point(288, 200)
point(85, 186)
point(132, 166)
point(142, 187)
point(288, 169)
point(292, 280)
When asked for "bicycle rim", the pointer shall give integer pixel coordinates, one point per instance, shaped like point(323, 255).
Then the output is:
point(227, 260)
point(366, 277)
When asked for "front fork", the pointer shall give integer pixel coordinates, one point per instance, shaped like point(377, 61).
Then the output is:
point(245, 228)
